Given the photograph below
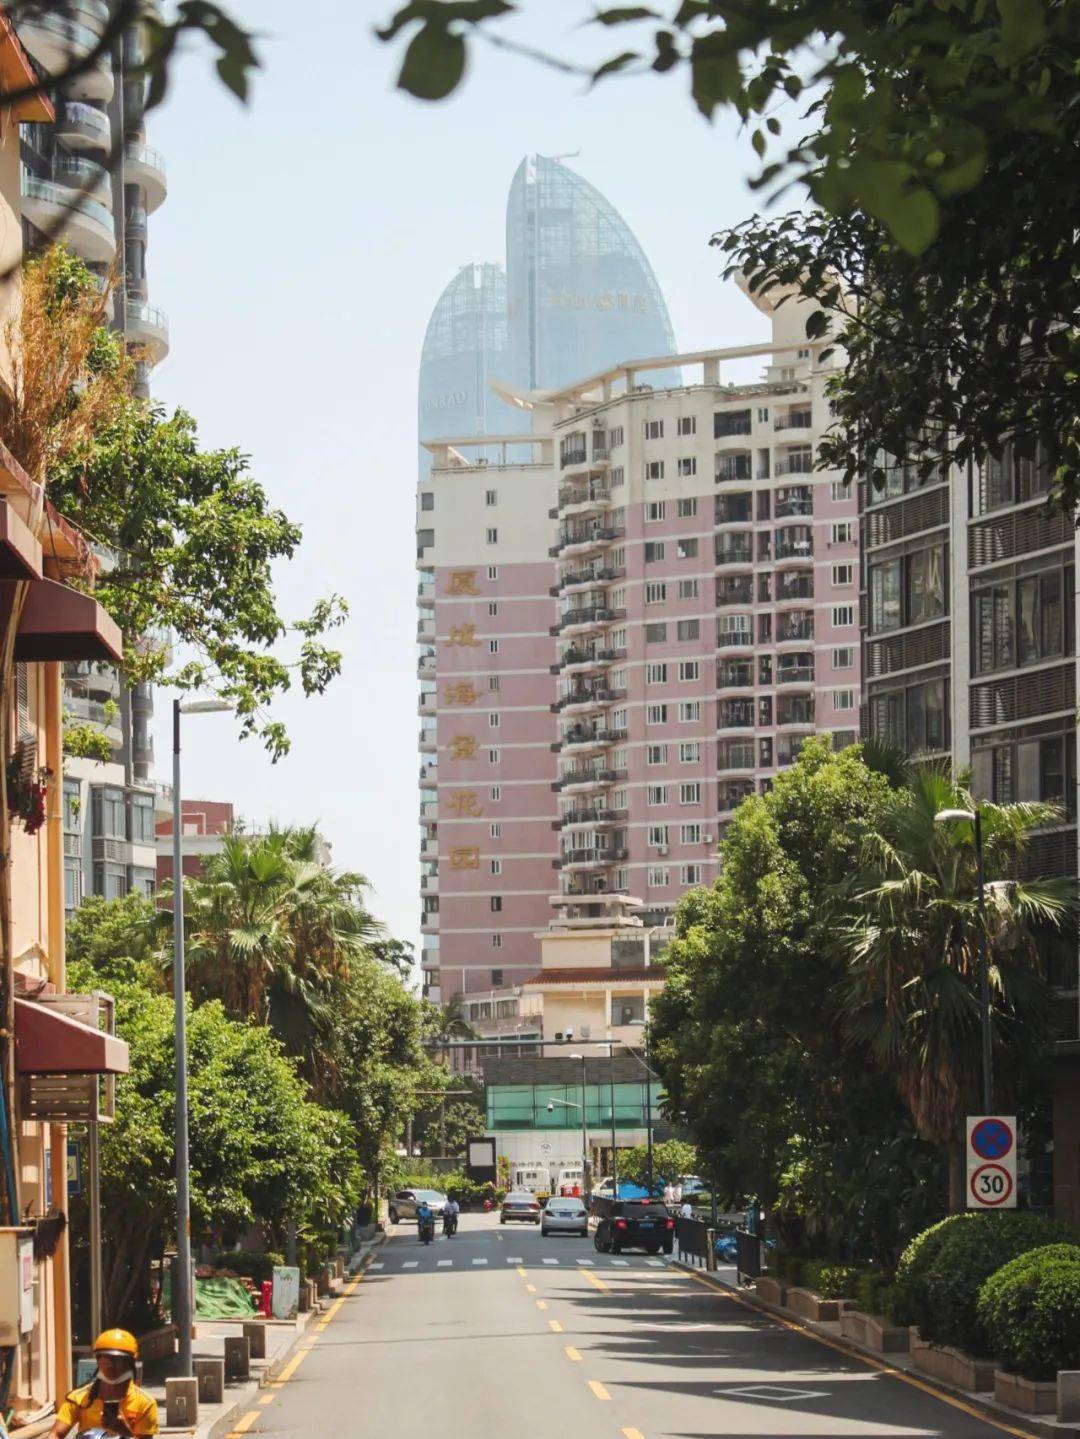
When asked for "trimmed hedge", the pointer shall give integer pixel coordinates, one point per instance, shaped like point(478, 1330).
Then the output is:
point(827, 1277)
point(875, 1293)
point(909, 1290)
point(974, 1247)
point(1029, 1309)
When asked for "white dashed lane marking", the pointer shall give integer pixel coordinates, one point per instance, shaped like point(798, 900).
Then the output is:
point(479, 1261)
point(444, 1263)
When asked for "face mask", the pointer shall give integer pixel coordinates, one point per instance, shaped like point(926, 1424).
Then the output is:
point(125, 1378)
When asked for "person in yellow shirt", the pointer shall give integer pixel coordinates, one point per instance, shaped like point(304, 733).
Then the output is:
point(112, 1401)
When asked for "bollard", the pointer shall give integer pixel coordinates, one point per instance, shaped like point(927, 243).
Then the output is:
point(313, 1294)
point(255, 1334)
point(181, 1403)
point(323, 1282)
point(210, 1377)
point(303, 1302)
point(237, 1358)
point(710, 1249)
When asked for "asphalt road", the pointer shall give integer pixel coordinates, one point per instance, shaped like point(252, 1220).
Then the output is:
point(499, 1334)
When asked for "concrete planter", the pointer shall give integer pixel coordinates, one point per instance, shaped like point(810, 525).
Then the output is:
point(1027, 1395)
point(952, 1366)
point(772, 1291)
point(1068, 1396)
point(808, 1305)
point(875, 1333)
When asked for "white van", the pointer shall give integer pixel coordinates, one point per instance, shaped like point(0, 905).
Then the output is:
point(534, 1178)
point(570, 1181)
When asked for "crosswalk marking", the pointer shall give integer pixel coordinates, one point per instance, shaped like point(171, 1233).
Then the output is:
point(479, 1261)
point(516, 1260)
point(551, 1261)
point(444, 1263)
point(377, 1266)
point(623, 1262)
point(655, 1263)
point(588, 1262)
point(410, 1264)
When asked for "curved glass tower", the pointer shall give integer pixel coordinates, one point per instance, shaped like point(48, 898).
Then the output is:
point(581, 293)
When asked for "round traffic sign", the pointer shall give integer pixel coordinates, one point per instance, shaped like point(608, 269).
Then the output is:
point(991, 1185)
point(992, 1138)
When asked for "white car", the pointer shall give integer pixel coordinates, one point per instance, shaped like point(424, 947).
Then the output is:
point(562, 1215)
point(406, 1202)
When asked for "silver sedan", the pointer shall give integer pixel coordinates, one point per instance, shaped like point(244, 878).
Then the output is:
point(564, 1216)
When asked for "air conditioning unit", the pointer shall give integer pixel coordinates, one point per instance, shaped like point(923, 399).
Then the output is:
point(662, 850)
point(586, 1031)
point(708, 839)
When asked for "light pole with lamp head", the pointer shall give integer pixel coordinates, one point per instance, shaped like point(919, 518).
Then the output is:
point(974, 818)
point(648, 1100)
point(569, 1104)
point(183, 1307)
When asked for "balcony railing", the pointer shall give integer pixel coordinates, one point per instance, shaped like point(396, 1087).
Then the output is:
point(795, 627)
point(592, 816)
point(795, 674)
point(796, 464)
point(795, 712)
point(737, 714)
point(591, 856)
point(734, 555)
point(795, 587)
point(794, 420)
point(732, 794)
point(793, 547)
point(737, 423)
point(733, 511)
point(732, 467)
point(735, 756)
point(734, 590)
point(739, 676)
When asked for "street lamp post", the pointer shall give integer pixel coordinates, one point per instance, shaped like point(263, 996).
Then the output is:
point(569, 1104)
point(182, 1305)
point(974, 818)
point(648, 1101)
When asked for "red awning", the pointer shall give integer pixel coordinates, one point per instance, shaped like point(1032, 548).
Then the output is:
point(20, 552)
point(48, 1042)
point(59, 623)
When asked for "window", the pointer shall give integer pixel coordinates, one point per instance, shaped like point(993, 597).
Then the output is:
point(491, 497)
point(493, 721)
point(689, 751)
point(843, 616)
point(72, 884)
point(496, 866)
point(656, 674)
point(493, 572)
point(915, 718)
point(427, 499)
point(686, 509)
point(690, 793)
point(495, 830)
point(686, 465)
point(1011, 481)
point(839, 490)
point(657, 835)
point(492, 537)
point(655, 634)
point(654, 550)
point(142, 818)
point(110, 880)
point(73, 806)
point(686, 549)
point(615, 437)
point(841, 532)
point(493, 756)
point(493, 608)
point(617, 598)
point(496, 904)
point(843, 699)
point(688, 589)
point(618, 476)
point(496, 941)
point(656, 714)
point(654, 429)
point(688, 630)
point(496, 793)
point(686, 425)
point(656, 794)
point(802, 354)
point(763, 417)
point(657, 876)
point(656, 754)
point(843, 574)
point(690, 874)
point(690, 833)
point(109, 814)
point(885, 611)
point(843, 659)
point(493, 647)
point(689, 670)
point(908, 591)
point(1021, 621)
point(496, 979)
point(689, 711)
point(655, 592)
point(1029, 768)
point(654, 511)
point(618, 719)
point(654, 469)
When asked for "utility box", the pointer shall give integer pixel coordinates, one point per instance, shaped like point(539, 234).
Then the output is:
point(16, 1285)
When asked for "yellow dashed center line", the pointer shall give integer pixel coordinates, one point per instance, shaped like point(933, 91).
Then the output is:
point(633, 1434)
point(541, 1304)
point(596, 1283)
point(598, 1389)
point(267, 1399)
point(530, 1288)
point(572, 1355)
point(243, 1424)
point(523, 1272)
point(555, 1326)
point(293, 1365)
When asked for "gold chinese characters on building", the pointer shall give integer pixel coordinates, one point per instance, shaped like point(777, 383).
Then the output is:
point(463, 746)
point(463, 635)
point(462, 582)
point(461, 692)
point(464, 804)
point(464, 857)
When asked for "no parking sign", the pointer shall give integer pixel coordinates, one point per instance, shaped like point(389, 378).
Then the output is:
point(991, 1161)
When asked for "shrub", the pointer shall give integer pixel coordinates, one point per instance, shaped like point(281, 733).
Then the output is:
point(1029, 1310)
point(875, 1293)
point(973, 1248)
point(909, 1292)
point(249, 1264)
point(791, 1268)
point(833, 1281)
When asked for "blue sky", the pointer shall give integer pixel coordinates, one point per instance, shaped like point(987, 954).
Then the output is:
point(302, 246)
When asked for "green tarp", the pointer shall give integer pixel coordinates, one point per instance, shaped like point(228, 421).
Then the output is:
point(222, 1299)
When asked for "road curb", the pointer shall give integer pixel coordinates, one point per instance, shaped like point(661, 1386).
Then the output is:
point(1013, 1419)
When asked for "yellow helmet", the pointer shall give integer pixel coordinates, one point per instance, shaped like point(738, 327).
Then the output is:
point(116, 1341)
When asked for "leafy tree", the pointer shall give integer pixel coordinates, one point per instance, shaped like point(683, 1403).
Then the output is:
point(746, 1034)
point(671, 1159)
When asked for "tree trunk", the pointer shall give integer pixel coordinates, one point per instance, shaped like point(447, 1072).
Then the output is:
point(957, 1179)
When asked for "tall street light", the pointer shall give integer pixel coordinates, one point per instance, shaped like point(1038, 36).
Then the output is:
point(648, 1099)
point(569, 1104)
point(182, 1305)
point(974, 818)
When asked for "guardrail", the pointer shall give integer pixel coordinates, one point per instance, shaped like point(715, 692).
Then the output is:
point(693, 1240)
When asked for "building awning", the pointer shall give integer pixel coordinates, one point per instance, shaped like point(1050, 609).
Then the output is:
point(59, 623)
point(48, 1042)
point(20, 552)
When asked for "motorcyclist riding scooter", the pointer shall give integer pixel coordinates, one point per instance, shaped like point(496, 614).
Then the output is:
point(450, 1213)
point(425, 1222)
point(111, 1403)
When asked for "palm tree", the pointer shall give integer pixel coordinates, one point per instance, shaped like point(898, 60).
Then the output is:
point(910, 933)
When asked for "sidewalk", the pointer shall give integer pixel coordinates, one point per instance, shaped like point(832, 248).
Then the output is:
point(282, 1337)
point(900, 1365)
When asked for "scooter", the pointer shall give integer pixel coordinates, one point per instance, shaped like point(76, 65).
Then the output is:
point(449, 1224)
point(427, 1230)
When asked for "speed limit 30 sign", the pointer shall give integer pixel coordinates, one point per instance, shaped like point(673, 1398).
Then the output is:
point(991, 1161)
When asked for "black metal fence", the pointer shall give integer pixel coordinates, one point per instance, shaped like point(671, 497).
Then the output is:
point(748, 1255)
point(692, 1240)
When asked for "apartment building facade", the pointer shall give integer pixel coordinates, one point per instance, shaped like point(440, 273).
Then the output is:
point(969, 656)
point(620, 641)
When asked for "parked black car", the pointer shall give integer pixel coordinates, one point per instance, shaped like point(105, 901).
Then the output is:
point(633, 1224)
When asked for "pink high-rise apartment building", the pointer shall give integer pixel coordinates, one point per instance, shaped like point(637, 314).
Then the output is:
point(623, 635)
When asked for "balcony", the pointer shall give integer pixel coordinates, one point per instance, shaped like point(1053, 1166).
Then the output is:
point(795, 587)
point(105, 716)
point(798, 462)
point(794, 420)
point(425, 630)
point(84, 127)
point(144, 166)
point(595, 574)
point(787, 751)
point(792, 711)
point(731, 793)
point(735, 675)
point(587, 617)
point(796, 669)
point(56, 43)
point(734, 590)
point(732, 554)
point(581, 859)
point(794, 544)
point(573, 451)
point(735, 755)
point(148, 327)
point(429, 775)
point(583, 497)
point(732, 467)
point(596, 697)
point(429, 884)
point(735, 714)
point(795, 501)
point(795, 625)
point(425, 667)
point(585, 737)
point(427, 702)
point(425, 593)
point(735, 638)
point(579, 542)
point(591, 818)
point(83, 220)
point(589, 778)
point(734, 510)
point(734, 422)
point(427, 742)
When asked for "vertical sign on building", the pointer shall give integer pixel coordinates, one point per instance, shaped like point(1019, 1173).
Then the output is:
point(991, 1161)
